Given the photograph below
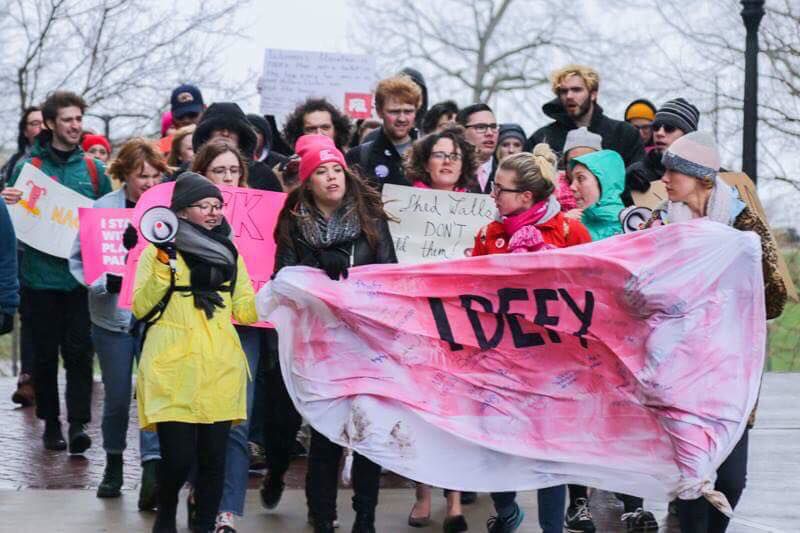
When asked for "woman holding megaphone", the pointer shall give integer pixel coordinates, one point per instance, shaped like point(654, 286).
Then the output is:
point(193, 371)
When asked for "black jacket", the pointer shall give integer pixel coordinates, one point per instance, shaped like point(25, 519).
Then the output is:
point(262, 177)
point(361, 253)
point(618, 136)
point(379, 161)
point(641, 174)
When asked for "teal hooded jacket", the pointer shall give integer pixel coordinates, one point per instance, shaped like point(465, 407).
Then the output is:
point(602, 217)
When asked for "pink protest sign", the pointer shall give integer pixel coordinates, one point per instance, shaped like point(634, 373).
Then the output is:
point(101, 232)
point(252, 215)
point(630, 364)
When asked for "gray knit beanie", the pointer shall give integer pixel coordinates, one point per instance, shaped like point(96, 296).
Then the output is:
point(695, 154)
point(582, 137)
point(191, 187)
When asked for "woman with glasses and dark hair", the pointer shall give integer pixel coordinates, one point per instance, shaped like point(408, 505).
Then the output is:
point(442, 161)
point(221, 161)
point(531, 220)
point(192, 385)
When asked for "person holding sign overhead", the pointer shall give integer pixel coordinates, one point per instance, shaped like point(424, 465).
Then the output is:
point(333, 221)
point(139, 166)
point(58, 303)
point(696, 190)
point(531, 221)
point(193, 370)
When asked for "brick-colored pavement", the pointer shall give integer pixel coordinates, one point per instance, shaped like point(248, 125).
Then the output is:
point(768, 504)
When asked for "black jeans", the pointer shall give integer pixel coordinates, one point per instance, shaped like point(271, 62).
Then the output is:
point(699, 516)
point(281, 419)
point(322, 481)
point(182, 447)
point(60, 322)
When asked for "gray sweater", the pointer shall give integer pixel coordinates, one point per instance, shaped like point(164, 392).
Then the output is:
point(103, 310)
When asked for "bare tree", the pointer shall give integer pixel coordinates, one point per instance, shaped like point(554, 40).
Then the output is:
point(122, 56)
point(483, 48)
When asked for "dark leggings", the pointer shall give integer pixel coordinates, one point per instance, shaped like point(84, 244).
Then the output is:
point(182, 446)
point(322, 481)
point(699, 516)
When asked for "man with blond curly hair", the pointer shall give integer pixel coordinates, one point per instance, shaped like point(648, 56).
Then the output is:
point(575, 106)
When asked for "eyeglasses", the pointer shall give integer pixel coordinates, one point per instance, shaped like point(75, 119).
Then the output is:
point(207, 208)
point(481, 128)
point(34, 123)
point(444, 156)
point(222, 171)
point(308, 130)
point(395, 113)
point(495, 189)
point(668, 128)
point(643, 126)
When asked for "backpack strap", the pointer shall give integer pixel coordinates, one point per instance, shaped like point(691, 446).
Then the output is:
point(91, 166)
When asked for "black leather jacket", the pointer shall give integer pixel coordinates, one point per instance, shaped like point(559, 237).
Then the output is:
point(361, 253)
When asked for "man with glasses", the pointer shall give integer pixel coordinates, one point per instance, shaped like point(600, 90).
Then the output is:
point(673, 120)
point(480, 130)
point(397, 100)
point(576, 88)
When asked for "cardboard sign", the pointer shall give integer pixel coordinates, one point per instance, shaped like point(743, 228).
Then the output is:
point(435, 225)
point(655, 195)
point(483, 373)
point(101, 232)
point(46, 218)
point(252, 215)
point(749, 195)
point(291, 76)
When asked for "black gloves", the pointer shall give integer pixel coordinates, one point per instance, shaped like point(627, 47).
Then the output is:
point(130, 237)
point(6, 323)
point(334, 261)
point(113, 283)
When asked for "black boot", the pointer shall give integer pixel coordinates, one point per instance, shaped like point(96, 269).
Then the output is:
point(79, 441)
point(112, 477)
point(165, 523)
point(148, 490)
point(324, 527)
point(53, 438)
point(365, 523)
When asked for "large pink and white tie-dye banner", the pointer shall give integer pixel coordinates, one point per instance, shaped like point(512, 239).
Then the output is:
point(631, 364)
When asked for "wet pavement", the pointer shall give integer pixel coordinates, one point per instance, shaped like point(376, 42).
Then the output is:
point(51, 491)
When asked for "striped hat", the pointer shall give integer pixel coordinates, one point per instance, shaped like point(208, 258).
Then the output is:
point(678, 113)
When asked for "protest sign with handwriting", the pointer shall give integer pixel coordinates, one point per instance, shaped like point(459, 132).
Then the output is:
point(291, 76)
point(435, 225)
point(101, 232)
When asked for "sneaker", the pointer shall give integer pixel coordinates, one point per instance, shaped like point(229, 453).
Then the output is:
point(24, 395)
point(225, 523)
point(313, 523)
point(79, 441)
point(53, 438)
point(640, 521)
point(271, 491)
point(258, 458)
point(468, 498)
point(323, 527)
point(578, 518)
point(148, 489)
point(495, 524)
point(112, 477)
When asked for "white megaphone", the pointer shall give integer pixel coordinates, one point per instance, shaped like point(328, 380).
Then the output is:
point(159, 225)
point(633, 218)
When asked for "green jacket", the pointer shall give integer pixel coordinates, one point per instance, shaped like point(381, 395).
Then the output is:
point(602, 217)
point(40, 270)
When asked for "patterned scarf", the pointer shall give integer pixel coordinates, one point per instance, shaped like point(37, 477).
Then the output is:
point(319, 232)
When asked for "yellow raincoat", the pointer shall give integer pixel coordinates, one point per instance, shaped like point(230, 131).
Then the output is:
point(192, 369)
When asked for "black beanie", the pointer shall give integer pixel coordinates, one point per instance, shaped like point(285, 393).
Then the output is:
point(191, 187)
point(510, 129)
point(225, 115)
point(678, 113)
